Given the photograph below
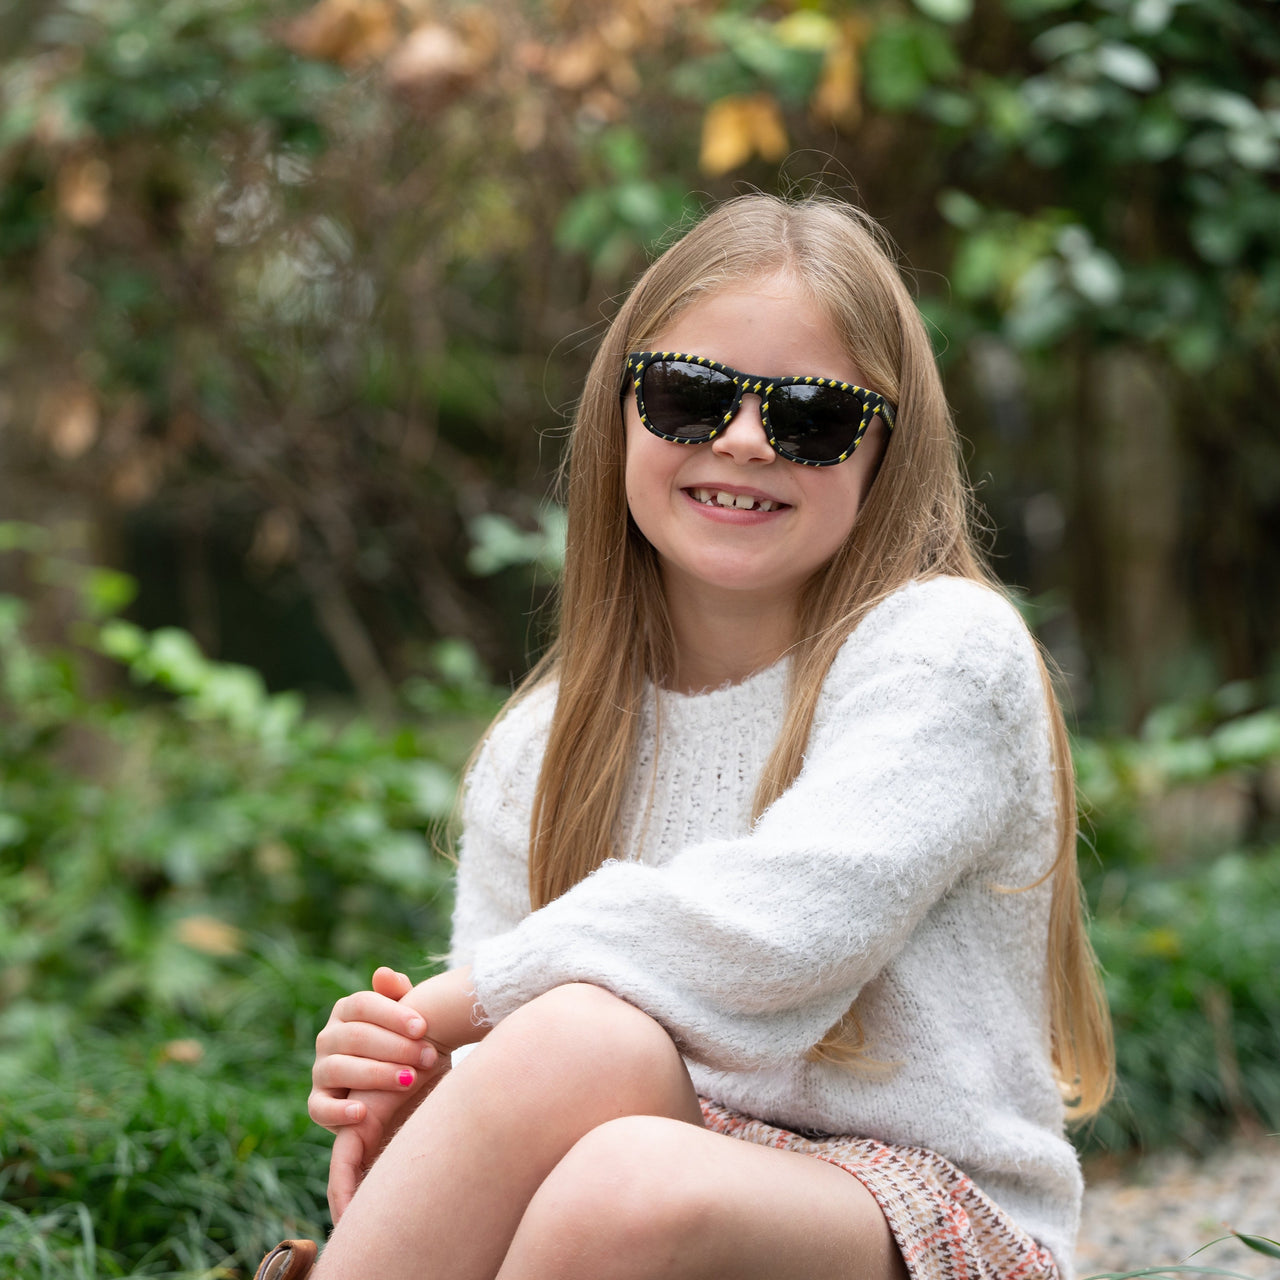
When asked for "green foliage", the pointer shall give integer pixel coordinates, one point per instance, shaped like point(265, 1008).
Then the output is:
point(498, 543)
point(184, 68)
point(1184, 874)
point(1204, 754)
point(1168, 102)
point(624, 208)
point(1190, 963)
point(145, 845)
point(181, 1148)
point(189, 877)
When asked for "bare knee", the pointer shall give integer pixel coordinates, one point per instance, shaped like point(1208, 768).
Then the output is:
point(614, 1208)
point(585, 1040)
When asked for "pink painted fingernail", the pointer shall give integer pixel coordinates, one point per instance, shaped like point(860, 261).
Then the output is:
point(405, 1078)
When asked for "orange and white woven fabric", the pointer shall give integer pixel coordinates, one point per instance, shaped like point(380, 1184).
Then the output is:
point(946, 1228)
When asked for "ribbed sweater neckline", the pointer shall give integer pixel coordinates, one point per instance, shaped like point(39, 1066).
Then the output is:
point(759, 696)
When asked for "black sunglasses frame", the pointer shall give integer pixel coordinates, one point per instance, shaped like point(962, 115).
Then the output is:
point(872, 403)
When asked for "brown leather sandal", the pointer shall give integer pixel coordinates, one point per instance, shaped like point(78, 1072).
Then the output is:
point(289, 1260)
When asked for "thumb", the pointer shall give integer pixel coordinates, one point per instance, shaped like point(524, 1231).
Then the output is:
point(346, 1168)
point(387, 982)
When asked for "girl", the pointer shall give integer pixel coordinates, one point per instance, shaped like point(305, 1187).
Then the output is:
point(768, 925)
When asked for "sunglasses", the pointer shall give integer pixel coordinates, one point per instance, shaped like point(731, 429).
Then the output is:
point(816, 422)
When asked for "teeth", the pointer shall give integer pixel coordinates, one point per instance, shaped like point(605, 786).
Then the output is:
point(739, 501)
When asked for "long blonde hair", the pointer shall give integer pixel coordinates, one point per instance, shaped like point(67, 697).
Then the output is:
point(614, 636)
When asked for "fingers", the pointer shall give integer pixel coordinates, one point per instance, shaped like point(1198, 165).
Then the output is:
point(389, 983)
point(334, 1111)
point(356, 1040)
point(334, 1075)
point(371, 1042)
point(338, 1071)
point(380, 1011)
point(346, 1168)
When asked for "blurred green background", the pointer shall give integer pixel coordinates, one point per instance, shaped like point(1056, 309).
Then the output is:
point(295, 300)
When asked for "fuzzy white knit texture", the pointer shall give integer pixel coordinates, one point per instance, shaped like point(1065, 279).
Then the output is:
point(878, 875)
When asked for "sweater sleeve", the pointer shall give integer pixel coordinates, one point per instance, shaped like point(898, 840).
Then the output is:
point(749, 949)
point(491, 889)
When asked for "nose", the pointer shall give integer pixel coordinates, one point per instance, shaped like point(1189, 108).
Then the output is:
point(744, 439)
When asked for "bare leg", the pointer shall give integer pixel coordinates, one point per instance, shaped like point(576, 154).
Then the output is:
point(644, 1197)
point(446, 1196)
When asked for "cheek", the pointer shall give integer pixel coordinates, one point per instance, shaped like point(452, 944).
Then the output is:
point(651, 466)
point(839, 506)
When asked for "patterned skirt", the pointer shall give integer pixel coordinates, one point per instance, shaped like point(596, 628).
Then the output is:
point(946, 1228)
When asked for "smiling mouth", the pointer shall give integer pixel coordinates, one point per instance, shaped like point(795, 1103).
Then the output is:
point(739, 501)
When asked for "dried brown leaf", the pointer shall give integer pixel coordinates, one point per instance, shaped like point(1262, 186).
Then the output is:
point(84, 190)
point(69, 419)
point(432, 66)
point(275, 539)
point(348, 32)
point(185, 1052)
point(838, 97)
point(209, 935)
point(579, 63)
point(736, 128)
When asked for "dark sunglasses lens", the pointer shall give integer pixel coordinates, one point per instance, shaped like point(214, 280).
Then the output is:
point(686, 400)
point(814, 424)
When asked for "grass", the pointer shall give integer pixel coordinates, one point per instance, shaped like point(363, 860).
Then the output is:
point(124, 1162)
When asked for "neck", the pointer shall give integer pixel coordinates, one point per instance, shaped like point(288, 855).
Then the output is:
point(722, 637)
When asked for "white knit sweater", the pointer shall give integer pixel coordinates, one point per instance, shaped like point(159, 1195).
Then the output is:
point(926, 787)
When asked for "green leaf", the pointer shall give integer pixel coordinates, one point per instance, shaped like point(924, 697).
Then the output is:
point(16, 535)
point(174, 660)
point(641, 204)
point(498, 543)
point(1218, 238)
point(790, 67)
point(959, 208)
point(624, 152)
point(949, 11)
point(1097, 276)
point(584, 220)
point(233, 694)
point(433, 789)
point(1127, 66)
point(806, 29)
point(1260, 1244)
point(1151, 16)
point(1032, 9)
point(1190, 760)
point(403, 862)
point(896, 76)
point(978, 267)
point(1250, 740)
point(457, 662)
point(122, 641)
point(107, 591)
point(1255, 147)
point(12, 830)
point(1063, 40)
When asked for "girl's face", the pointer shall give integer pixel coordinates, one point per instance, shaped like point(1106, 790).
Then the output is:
point(677, 492)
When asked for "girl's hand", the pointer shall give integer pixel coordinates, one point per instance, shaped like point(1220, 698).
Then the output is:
point(370, 1043)
point(356, 1045)
point(359, 1144)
